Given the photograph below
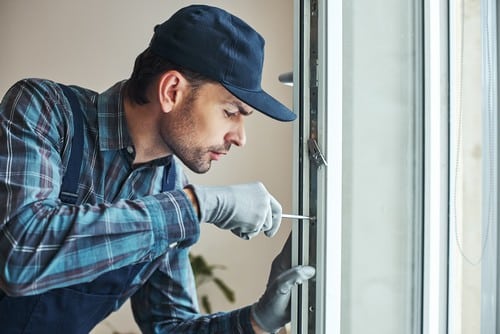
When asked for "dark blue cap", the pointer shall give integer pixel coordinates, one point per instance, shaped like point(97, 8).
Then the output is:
point(217, 44)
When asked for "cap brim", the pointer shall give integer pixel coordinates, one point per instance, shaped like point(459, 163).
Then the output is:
point(263, 102)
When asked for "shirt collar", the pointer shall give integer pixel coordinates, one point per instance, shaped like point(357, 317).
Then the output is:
point(113, 130)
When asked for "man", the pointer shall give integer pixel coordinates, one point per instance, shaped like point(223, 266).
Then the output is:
point(68, 261)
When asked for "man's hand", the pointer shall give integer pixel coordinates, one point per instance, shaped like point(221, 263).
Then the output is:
point(245, 209)
point(272, 311)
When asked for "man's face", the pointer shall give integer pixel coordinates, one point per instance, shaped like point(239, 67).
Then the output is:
point(204, 126)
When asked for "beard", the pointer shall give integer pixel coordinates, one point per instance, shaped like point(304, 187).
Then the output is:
point(179, 133)
point(197, 158)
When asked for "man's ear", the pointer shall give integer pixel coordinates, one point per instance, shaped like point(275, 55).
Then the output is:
point(172, 87)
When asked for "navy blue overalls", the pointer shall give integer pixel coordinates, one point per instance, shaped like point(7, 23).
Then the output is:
point(79, 308)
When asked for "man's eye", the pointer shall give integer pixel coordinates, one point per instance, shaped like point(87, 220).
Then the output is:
point(229, 114)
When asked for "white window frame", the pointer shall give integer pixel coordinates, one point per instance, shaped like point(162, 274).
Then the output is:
point(436, 313)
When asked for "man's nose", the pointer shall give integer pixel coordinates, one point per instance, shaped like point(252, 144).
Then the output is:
point(237, 135)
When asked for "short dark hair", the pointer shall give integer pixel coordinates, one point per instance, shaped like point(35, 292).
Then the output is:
point(147, 67)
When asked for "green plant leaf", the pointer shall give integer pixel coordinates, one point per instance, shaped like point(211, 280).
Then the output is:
point(200, 266)
point(228, 292)
point(203, 273)
point(205, 303)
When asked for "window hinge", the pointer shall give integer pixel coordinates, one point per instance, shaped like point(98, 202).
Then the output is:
point(315, 153)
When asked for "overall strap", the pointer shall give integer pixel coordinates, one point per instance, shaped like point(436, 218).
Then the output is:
point(169, 176)
point(69, 187)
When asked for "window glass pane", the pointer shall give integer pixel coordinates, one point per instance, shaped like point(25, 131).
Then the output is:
point(466, 150)
point(382, 162)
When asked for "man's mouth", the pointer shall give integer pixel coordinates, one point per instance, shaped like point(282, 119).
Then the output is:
point(214, 155)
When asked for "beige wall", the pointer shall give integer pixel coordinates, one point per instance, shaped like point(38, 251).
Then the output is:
point(93, 43)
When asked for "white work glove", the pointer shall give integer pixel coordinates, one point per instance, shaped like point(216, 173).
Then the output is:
point(245, 209)
point(272, 311)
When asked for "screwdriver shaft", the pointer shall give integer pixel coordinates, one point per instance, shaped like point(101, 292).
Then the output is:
point(290, 216)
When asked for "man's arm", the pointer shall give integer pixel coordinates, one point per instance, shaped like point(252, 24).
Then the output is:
point(167, 303)
point(256, 327)
point(46, 244)
point(192, 198)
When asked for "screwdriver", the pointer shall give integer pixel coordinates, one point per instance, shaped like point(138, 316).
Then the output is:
point(290, 216)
